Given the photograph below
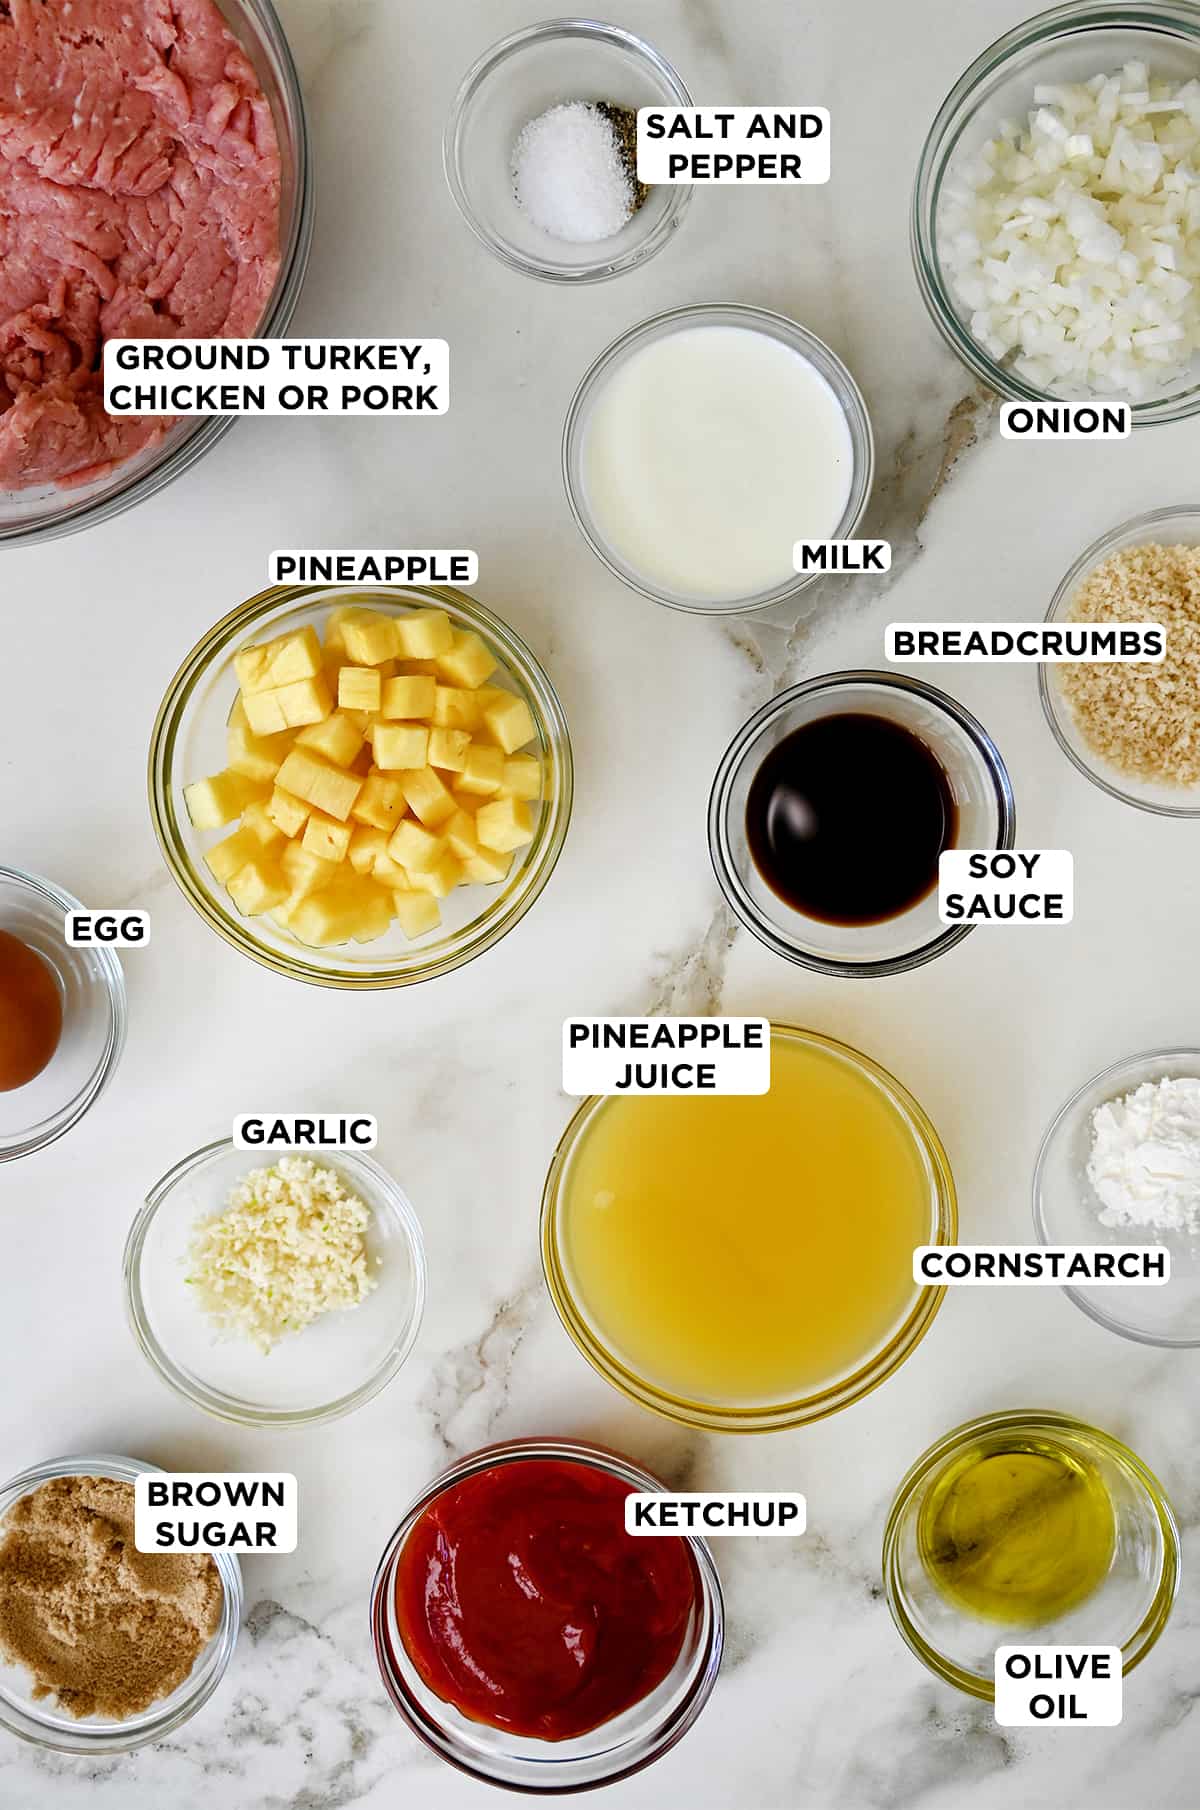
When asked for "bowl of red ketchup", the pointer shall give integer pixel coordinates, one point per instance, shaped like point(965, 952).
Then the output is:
point(530, 1640)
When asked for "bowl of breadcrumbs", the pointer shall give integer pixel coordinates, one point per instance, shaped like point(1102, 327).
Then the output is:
point(1134, 728)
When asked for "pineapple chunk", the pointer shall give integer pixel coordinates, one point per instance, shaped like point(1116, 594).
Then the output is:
point(381, 802)
point(305, 873)
point(224, 859)
point(522, 776)
point(426, 795)
point(504, 824)
point(326, 838)
point(359, 688)
point(416, 912)
point(487, 867)
point(264, 714)
point(296, 655)
point(415, 847)
point(408, 696)
point(366, 844)
point(509, 721)
point(461, 834)
point(369, 637)
point(390, 873)
point(327, 788)
point(290, 706)
point(448, 749)
point(440, 878)
point(351, 907)
point(336, 738)
point(258, 820)
point(374, 912)
point(483, 770)
point(257, 887)
point(256, 756)
point(468, 660)
point(422, 669)
point(400, 745)
point(425, 635)
point(219, 799)
point(455, 709)
point(287, 812)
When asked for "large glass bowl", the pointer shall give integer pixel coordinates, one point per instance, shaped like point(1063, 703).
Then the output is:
point(1067, 44)
point(514, 82)
point(91, 987)
point(619, 1747)
point(1176, 526)
point(320, 1373)
point(1129, 1609)
point(1066, 1210)
point(44, 512)
point(189, 742)
point(40, 1721)
point(978, 779)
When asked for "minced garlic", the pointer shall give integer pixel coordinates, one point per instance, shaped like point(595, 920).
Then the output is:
point(288, 1249)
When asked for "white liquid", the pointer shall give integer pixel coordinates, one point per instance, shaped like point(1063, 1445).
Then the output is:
point(707, 454)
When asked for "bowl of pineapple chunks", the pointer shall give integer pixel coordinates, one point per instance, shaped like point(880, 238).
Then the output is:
point(361, 789)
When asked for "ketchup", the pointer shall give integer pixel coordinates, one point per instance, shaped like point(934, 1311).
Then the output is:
point(524, 1603)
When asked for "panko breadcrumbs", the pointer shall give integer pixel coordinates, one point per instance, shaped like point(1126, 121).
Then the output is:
point(1143, 718)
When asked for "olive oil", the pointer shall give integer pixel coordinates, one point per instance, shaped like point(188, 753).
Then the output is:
point(741, 1252)
point(1018, 1536)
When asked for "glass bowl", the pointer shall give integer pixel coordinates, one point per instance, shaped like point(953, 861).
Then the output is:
point(41, 1722)
point(44, 512)
point(860, 1375)
point(92, 988)
point(189, 741)
point(1129, 1609)
point(978, 779)
point(714, 314)
point(619, 1747)
point(1066, 1210)
point(326, 1370)
point(516, 81)
point(1177, 526)
point(1067, 44)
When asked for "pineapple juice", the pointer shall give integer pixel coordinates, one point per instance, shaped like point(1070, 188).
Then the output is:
point(745, 1251)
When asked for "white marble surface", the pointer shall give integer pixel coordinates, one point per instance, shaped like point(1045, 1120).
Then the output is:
point(819, 1706)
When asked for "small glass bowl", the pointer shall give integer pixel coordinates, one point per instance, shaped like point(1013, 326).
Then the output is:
point(714, 314)
point(92, 989)
point(188, 742)
point(1129, 1609)
point(44, 512)
point(841, 1391)
point(328, 1369)
point(1176, 526)
point(514, 82)
point(1066, 1210)
point(982, 792)
point(40, 1721)
point(619, 1747)
point(1069, 43)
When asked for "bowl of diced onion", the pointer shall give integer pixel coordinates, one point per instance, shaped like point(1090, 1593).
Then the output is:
point(1056, 210)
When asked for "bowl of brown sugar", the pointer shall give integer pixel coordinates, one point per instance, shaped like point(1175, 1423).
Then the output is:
point(1133, 725)
point(103, 1648)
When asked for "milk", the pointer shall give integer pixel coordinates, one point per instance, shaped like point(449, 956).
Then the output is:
point(707, 454)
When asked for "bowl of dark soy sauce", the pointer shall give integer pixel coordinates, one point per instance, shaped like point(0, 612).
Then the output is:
point(832, 808)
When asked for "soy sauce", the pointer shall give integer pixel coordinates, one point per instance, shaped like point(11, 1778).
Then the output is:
point(846, 818)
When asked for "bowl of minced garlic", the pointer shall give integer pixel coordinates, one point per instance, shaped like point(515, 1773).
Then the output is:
point(103, 1648)
point(1133, 726)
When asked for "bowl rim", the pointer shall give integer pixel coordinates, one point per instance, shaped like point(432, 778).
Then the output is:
point(487, 930)
point(152, 1726)
point(613, 1464)
point(113, 978)
point(1143, 1059)
point(215, 1401)
point(1177, 17)
point(786, 331)
point(1054, 709)
point(1044, 1420)
point(601, 269)
point(718, 811)
point(293, 264)
point(875, 1369)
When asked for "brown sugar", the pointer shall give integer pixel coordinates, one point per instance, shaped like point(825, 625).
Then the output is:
point(1144, 719)
point(105, 1629)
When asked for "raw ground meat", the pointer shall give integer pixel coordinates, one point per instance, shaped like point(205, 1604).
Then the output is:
point(139, 197)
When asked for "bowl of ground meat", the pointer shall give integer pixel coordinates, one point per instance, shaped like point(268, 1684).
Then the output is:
point(154, 183)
